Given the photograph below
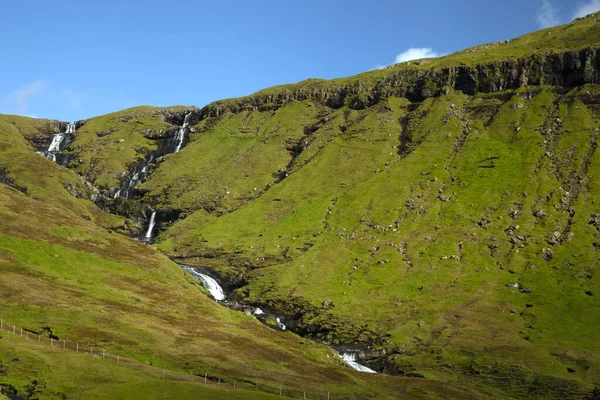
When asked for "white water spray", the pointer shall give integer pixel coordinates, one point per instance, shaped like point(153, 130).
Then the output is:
point(208, 282)
point(150, 226)
point(280, 324)
point(59, 140)
point(181, 133)
point(350, 359)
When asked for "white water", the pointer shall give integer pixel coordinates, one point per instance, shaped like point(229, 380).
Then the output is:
point(58, 140)
point(280, 324)
point(350, 359)
point(181, 133)
point(48, 155)
point(209, 283)
point(151, 226)
point(133, 182)
point(117, 194)
point(258, 311)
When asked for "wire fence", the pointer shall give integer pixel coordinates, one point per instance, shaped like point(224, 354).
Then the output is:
point(46, 339)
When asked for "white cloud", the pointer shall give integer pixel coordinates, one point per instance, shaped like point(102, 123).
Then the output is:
point(584, 9)
point(546, 15)
point(39, 97)
point(18, 101)
point(412, 54)
point(417, 53)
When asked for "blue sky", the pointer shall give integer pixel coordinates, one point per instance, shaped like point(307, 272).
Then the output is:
point(74, 59)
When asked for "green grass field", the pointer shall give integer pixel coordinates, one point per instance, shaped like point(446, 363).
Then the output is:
point(453, 239)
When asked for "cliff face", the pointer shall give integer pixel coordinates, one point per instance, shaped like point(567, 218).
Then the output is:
point(565, 70)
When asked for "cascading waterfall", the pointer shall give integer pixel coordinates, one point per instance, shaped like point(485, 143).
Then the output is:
point(280, 324)
point(150, 226)
point(350, 359)
point(181, 133)
point(58, 143)
point(208, 282)
point(133, 182)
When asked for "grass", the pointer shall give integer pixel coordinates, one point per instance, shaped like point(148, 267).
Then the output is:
point(317, 230)
point(101, 289)
point(54, 374)
point(398, 228)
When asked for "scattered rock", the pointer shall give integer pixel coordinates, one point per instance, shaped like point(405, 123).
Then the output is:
point(525, 290)
point(421, 323)
point(548, 254)
point(570, 236)
point(540, 213)
point(513, 284)
point(328, 304)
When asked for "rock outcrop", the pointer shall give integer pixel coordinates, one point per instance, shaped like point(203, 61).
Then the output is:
point(561, 69)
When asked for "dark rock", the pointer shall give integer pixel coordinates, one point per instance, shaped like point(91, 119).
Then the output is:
point(540, 213)
point(525, 290)
point(548, 254)
point(328, 304)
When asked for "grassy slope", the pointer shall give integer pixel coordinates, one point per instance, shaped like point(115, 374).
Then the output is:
point(88, 284)
point(358, 221)
point(106, 147)
point(348, 201)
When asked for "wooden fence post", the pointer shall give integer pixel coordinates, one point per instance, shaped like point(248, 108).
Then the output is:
point(118, 359)
point(1, 324)
point(77, 349)
point(205, 378)
point(234, 385)
point(14, 329)
point(21, 332)
point(51, 340)
point(64, 344)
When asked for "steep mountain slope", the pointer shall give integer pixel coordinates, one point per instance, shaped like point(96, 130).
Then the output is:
point(439, 216)
point(62, 272)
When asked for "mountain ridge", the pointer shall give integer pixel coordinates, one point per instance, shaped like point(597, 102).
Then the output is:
point(438, 218)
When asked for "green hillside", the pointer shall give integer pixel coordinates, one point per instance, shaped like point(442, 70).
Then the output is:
point(438, 216)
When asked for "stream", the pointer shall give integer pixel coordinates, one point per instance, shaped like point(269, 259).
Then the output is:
point(217, 292)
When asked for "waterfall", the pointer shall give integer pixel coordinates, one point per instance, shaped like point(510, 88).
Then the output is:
point(48, 155)
point(280, 324)
point(150, 226)
point(117, 194)
point(181, 133)
point(133, 182)
point(58, 143)
point(208, 282)
point(350, 359)
point(60, 140)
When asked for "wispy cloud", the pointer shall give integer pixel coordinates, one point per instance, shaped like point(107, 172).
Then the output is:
point(37, 97)
point(584, 9)
point(547, 15)
point(18, 101)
